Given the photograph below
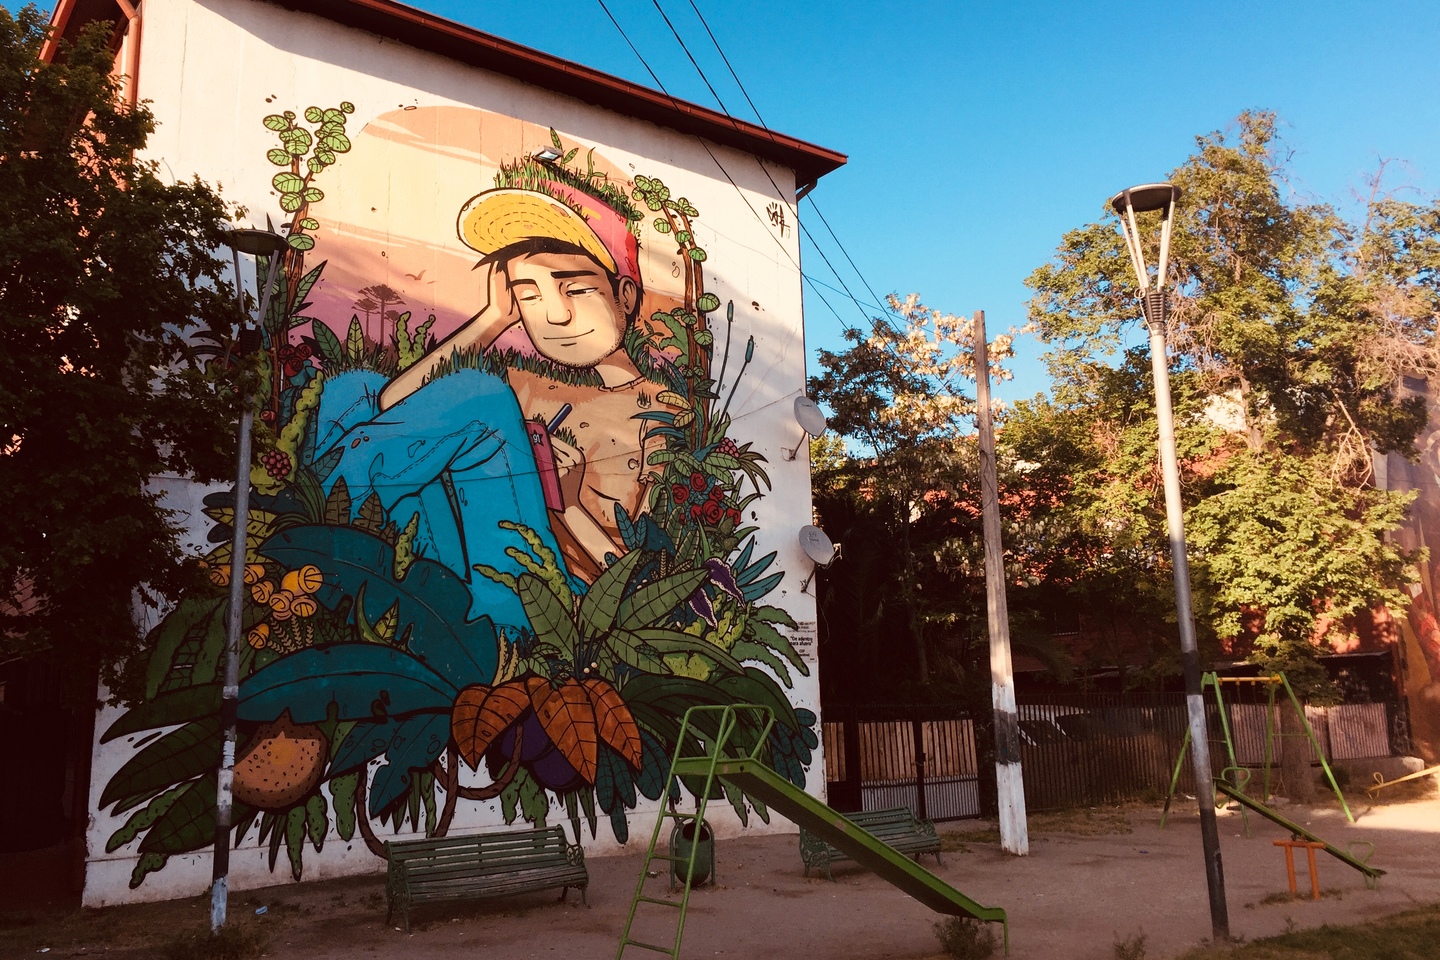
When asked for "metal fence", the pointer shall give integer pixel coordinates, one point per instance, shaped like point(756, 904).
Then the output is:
point(1076, 750)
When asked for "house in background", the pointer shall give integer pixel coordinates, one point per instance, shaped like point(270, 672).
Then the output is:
point(519, 497)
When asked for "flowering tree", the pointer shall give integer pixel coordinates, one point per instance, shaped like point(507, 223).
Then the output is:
point(899, 392)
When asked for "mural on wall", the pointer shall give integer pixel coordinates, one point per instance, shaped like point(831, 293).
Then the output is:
point(490, 563)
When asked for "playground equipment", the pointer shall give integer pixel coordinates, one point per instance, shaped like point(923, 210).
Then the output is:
point(1298, 832)
point(1381, 782)
point(1273, 683)
point(726, 744)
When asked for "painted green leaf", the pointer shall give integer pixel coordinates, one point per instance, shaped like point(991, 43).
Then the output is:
point(280, 158)
point(337, 142)
point(167, 709)
point(309, 223)
point(548, 614)
point(300, 241)
point(534, 802)
point(746, 650)
point(290, 202)
point(331, 349)
point(765, 634)
point(657, 599)
point(355, 339)
point(287, 182)
point(276, 122)
point(295, 840)
point(707, 303)
point(661, 224)
point(145, 866)
point(189, 824)
point(674, 641)
point(313, 194)
point(347, 106)
point(682, 236)
point(342, 791)
point(697, 254)
point(314, 114)
point(317, 820)
point(174, 758)
point(142, 819)
point(188, 621)
point(601, 602)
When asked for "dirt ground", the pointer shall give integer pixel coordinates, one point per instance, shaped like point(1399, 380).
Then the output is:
point(1092, 877)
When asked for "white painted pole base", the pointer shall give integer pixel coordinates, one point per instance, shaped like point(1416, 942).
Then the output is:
point(1014, 837)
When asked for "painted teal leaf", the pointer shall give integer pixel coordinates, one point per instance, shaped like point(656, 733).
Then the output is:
point(431, 598)
point(355, 677)
point(364, 743)
point(414, 745)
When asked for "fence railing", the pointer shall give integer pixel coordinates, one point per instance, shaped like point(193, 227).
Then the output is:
point(1076, 750)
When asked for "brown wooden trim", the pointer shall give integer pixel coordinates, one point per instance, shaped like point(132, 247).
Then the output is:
point(424, 31)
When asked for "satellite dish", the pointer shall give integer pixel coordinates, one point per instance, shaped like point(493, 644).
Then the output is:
point(809, 415)
point(817, 545)
point(811, 420)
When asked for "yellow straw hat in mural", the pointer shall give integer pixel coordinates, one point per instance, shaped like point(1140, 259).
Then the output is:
point(499, 218)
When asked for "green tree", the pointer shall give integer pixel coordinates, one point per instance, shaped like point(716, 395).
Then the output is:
point(105, 272)
point(1290, 332)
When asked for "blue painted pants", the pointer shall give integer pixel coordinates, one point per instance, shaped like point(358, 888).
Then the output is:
point(454, 454)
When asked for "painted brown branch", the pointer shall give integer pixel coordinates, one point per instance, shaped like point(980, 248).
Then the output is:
point(451, 780)
point(362, 817)
point(497, 787)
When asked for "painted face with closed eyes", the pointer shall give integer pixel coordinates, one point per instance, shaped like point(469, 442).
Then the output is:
point(574, 311)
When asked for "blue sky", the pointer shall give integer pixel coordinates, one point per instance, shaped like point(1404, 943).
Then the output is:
point(979, 133)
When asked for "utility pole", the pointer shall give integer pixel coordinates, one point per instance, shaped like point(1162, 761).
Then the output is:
point(1009, 783)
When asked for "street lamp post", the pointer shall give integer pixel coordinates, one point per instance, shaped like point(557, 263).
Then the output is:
point(257, 243)
point(1127, 203)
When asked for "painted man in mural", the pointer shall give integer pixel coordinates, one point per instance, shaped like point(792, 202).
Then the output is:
point(562, 279)
point(445, 441)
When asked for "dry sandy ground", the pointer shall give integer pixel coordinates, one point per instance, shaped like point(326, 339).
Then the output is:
point(1092, 877)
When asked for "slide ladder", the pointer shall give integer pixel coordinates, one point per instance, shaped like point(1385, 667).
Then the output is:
point(722, 733)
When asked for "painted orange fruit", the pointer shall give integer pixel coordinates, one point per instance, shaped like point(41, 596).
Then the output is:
point(283, 764)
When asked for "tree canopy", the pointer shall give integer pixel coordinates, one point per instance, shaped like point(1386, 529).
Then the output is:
point(1290, 333)
point(106, 272)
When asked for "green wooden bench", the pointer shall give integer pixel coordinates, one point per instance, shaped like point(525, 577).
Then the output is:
point(480, 866)
point(897, 826)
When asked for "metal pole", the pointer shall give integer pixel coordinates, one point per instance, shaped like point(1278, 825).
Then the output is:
point(1154, 306)
point(230, 691)
point(1009, 782)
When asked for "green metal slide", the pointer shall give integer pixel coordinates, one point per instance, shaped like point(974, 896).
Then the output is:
point(1371, 873)
point(746, 771)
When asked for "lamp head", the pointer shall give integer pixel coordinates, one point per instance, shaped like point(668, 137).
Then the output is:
point(255, 242)
point(1127, 203)
point(1147, 196)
